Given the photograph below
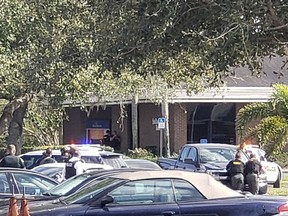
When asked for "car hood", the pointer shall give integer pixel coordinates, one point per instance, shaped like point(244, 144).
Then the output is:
point(215, 166)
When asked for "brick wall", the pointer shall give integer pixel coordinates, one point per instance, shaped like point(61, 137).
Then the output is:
point(178, 126)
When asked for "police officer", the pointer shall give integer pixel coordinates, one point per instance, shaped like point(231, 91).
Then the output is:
point(252, 171)
point(236, 171)
point(74, 166)
point(10, 159)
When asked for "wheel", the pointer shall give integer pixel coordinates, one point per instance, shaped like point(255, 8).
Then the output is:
point(277, 183)
point(263, 189)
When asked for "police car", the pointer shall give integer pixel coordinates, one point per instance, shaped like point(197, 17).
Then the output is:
point(273, 171)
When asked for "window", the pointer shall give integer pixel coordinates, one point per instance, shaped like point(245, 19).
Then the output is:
point(184, 191)
point(32, 184)
point(4, 185)
point(184, 153)
point(144, 192)
point(192, 154)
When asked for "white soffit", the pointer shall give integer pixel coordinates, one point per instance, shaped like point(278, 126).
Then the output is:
point(224, 95)
point(227, 94)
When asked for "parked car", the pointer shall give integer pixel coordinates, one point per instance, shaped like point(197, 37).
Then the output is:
point(165, 192)
point(142, 164)
point(88, 154)
point(57, 170)
point(21, 181)
point(211, 158)
point(272, 170)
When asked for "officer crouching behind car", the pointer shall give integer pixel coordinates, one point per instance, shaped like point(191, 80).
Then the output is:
point(252, 170)
point(236, 171)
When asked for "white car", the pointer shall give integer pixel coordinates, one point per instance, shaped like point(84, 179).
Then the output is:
point(273, 171)
point(57, 170)
point(88, 154)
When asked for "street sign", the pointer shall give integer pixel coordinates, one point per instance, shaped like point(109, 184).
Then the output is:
point(161, 120)
point(161, 123)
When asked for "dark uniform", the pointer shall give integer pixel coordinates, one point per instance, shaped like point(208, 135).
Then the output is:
point(12, 161)
point(71, 168)
point(236, 171)
point(252, 171)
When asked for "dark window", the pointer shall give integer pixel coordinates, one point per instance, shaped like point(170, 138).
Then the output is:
point(184, 191)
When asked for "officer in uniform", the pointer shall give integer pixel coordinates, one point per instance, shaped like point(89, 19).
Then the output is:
point(74, 166)
point(252, 170)
point(236, 171)
point(10, 159)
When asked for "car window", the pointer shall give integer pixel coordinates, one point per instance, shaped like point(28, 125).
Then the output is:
point(91, 190)
point(184, 153)
point(4, 185)
point(68, 184)
point(32, 184)
point(184, 191)
point(223, 155)
point(192, 154)
point(144, 192)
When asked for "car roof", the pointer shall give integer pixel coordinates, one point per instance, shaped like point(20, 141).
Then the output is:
point(84, 152)
point(211, 145)
point(205, 183)
point(87, 165)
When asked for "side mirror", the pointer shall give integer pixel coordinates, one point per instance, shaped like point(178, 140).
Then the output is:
point(106, 200)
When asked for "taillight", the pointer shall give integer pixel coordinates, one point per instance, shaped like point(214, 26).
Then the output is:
point(283, 208)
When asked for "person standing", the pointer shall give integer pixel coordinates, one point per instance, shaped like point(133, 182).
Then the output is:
point(47, 157)
point(252, 170)
point(107, 138)
point(74, 166)
point(236, 170)
point(115, 141)
point(10, 159)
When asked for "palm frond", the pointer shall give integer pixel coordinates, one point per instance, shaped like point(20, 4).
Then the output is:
point(279, 100)
point(272, 133)
point(249, 113)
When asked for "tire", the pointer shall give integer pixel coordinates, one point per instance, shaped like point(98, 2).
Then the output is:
point(277, 183)
point(263, 189)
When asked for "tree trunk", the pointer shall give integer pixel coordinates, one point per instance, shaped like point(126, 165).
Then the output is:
point(7, 115)
point(16, 125)
point(134, 110)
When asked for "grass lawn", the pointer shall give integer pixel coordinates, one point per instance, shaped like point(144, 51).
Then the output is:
point(283, 191)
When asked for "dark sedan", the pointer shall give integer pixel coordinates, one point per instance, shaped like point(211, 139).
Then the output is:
point(156, 193)
point(21, 181)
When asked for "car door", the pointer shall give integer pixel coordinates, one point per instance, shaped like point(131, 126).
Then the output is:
point(192, 203)
point(153, 197)
point(187, 159)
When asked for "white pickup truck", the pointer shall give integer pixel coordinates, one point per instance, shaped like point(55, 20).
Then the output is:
point(273, 171)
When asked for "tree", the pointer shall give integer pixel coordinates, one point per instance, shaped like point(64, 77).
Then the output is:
point(50, 50)
point(271, 128)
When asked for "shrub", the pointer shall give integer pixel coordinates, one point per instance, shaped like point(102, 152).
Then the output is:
point(140, 153)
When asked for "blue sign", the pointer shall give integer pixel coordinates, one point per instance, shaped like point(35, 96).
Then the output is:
point(97, 123)
point(203, 141)
point(161, 120)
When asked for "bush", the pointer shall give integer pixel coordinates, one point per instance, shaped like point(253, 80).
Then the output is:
point(140, 153)
point(280, 158)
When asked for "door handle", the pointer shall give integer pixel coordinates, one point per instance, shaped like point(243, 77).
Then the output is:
point(168, 213)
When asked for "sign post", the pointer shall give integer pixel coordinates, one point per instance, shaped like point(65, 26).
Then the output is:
point(161, 126)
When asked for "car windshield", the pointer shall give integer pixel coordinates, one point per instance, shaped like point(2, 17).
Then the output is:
point(91, 190)
point(68, 185)
point(220, 155)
